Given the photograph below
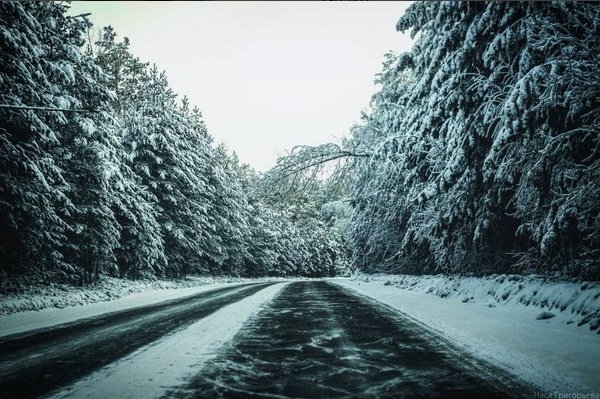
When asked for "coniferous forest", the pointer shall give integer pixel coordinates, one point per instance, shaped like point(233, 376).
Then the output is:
point(104, 170)
point(480, 154)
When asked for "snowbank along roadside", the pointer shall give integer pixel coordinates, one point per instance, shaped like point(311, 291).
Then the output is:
point(579, 300)
point(154, 369)
point(42, 296)
point(498, 319)
point(26, 321)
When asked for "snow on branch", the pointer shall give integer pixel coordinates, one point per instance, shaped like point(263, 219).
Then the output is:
point(305, 164)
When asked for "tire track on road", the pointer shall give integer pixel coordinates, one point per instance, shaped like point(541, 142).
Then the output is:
point(317, 340)
point(32, 364)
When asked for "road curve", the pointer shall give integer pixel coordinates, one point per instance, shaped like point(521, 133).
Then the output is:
point(317, 340)
point(38, 362)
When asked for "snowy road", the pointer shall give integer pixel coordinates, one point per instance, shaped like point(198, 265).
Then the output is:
point(317, 340)
point(34, 363)
point(307, 339)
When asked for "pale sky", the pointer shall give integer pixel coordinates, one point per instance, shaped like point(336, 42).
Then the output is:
point(266, 75)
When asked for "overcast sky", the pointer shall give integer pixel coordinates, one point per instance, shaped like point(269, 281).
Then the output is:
point(266, 76)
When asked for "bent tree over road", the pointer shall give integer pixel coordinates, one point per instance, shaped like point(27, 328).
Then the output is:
point(313, 340)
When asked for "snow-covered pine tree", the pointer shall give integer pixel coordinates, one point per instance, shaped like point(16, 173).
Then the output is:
point(484, 143)
point(118, 176)
point(141, 245)
point(54, 202)
point(230, 211)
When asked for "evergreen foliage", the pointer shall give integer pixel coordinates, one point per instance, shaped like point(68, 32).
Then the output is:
point(133, 185)
point(485, 143)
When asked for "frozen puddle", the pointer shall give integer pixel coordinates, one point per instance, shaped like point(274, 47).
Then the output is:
point(158, 367)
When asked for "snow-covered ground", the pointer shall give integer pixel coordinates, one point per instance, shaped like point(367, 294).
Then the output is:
point(25, 321)
point(581, 300)
point(154, 369)
point(37, 295)
point(497, 319)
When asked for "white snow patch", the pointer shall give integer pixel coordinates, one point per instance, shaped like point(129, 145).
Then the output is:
point(154, 369)
point(579, 299)
point(25, 321)
point(549, 353)
point(24, 294)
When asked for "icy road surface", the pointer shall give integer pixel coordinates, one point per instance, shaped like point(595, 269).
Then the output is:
point(37, 362)
point(317, 340)
point(309, 339)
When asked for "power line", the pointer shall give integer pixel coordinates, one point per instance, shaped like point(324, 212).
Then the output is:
point(7, 106)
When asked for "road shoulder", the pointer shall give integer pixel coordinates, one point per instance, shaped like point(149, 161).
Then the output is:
point(26, 321)
point(547, 353)
point(155, 368)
